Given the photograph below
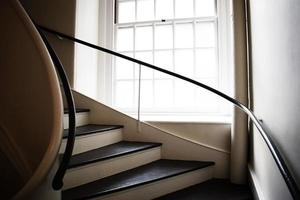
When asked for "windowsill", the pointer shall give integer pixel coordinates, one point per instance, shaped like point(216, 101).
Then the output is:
point(225, 119)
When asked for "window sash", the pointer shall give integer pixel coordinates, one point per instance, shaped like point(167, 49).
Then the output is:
point(173, 22)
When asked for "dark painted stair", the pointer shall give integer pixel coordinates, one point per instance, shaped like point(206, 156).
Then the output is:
point(111, 151)
point(145, 174)
point(92, 128)
point(78, 110)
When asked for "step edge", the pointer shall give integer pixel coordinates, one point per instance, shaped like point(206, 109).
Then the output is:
point(77, 110)
point(116, 127)
point(155, 145)
point(208, 164)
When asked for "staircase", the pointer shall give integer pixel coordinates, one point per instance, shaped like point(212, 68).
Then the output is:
point(104, 166)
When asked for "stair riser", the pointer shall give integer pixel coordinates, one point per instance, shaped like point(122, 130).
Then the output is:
point(95, 171)
point(163, 187)
point(81, 119)
point(93, 141)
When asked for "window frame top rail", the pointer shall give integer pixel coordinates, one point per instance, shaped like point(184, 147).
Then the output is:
point(280, 162)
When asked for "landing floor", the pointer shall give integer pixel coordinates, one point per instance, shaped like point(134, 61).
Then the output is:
point(215, 189)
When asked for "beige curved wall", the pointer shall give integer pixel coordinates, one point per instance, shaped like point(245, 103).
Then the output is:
point(30, 103)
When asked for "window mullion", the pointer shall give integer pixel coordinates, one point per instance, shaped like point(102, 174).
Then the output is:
point(173, 57)
point(194, 57)
point(135, 14)
point(153, 60)
point(133, 64)
point(155, 9)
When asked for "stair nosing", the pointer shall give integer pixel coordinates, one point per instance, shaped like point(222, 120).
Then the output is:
point(77, 110)
point(154, 145)
point(145, 183)
point(115, 190)
point(114, 127)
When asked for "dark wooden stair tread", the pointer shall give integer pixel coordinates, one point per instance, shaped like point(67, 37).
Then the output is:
point(110, 151)
point(78, 110)
point(145, 174)
point(92, 128)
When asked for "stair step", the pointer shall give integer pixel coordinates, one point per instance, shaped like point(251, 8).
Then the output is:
point(82, 117)
point(110, 151)
point(109, 160)
point(92, 128)
point(93, 136)
point(78, 110)
point(149, 173)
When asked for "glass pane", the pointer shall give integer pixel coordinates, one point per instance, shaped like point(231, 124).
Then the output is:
point(124, 94)
point(126, 12)
point(163, 93)
point(184, 8)
point(124, 68)
point(206, 101)
point(163, 37)
point(184, 94)
point(164, 9)
point(205, 8)
point(163, 59)
point(205, 35)
point(147, 57)
point(184, 63)
point(184, 35)
point(143, 38)
point(125, 39)
point(206, 63)
point(145, 10)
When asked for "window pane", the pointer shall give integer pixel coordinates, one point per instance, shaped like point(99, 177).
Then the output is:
point(184, 62)
point(124, 94)
point(143, 38)
point(163, 37)
point(126, 12)
point(206, 101)
point(184, 8)
point(206, 63)
point(163, 93)
point(184, 94)
point(124, 68)
point(125, 39)
point(163, 59)
point(147, 57)
point(164, 9)
point(145, 10)
point(184, 35)
point(205, 35)
point(205, 8)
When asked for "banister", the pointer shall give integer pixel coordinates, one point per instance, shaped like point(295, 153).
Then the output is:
point(280, 162)
point(57, 182)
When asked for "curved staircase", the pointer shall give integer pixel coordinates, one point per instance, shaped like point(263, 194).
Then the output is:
point(104, 166)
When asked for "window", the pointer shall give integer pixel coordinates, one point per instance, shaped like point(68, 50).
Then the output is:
point(188, 37)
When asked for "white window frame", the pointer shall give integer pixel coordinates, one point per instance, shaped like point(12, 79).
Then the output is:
point(222, 42)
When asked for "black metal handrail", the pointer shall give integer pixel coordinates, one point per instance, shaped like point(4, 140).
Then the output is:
point(290, 181)
point(57, 182)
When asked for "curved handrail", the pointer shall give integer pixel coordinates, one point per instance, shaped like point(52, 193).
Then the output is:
point(290, 181)
point(57, 182)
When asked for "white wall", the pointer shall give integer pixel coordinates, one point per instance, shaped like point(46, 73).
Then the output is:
point(86, 59)
point(275, 28)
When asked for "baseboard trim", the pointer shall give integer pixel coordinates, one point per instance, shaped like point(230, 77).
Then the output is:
point(254, 184)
